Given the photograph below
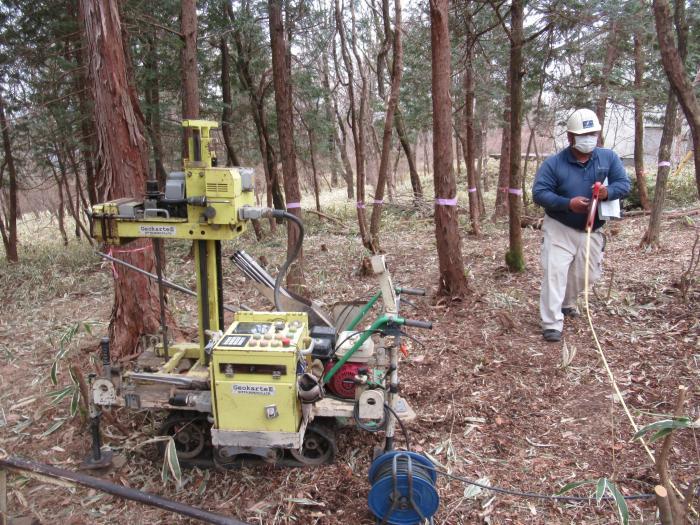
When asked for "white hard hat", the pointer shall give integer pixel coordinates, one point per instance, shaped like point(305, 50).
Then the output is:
point(582, 121)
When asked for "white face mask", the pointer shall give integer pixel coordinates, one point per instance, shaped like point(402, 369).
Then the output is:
point(585, 143)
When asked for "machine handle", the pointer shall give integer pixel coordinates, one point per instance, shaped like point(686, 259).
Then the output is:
point(418, 324)
point(104, 347)
point(412, 291)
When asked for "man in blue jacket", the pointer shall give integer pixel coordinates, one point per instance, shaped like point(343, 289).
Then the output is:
point(563, 187)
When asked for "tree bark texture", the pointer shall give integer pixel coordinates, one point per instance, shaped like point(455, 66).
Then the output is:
point(190, 83)
point(673, 58)
point(452, 280)
point(501, 208)
point(514, 256)
point(397, 67)
point(227, 111)
point(285, 130)
point(10, 221)
point(651, 237)
point(639, 119)
point(123, 161)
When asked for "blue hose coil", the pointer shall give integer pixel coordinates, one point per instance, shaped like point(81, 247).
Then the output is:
point(403, 488)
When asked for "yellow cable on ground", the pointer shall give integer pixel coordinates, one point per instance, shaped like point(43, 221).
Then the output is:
point(611, 376)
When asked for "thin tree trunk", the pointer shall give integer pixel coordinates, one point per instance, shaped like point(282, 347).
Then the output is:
point(73, 208)
point(469, 129)
point(611, 55)
point(416, 185)
point(11, 216)
point(274, 193)
point(332, 139)
point(356, 120)
point(312, 153)
point(673, 60)
point(639, 120)
point(227, 111)
point(152, 95)
point(397, 67)
point(452, 280)
point(87, 130)
point(121, 149)
point(347, 166)
point(501, 208)
point(285, 130)
point(514, 256)
point(61, 211)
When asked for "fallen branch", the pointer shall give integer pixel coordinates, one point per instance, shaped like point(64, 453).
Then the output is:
point(324, 216)
point(670, 214)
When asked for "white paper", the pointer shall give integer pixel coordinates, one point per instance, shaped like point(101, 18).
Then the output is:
point(608, 209)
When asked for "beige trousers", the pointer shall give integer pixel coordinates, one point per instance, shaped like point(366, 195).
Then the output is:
point(563, 261)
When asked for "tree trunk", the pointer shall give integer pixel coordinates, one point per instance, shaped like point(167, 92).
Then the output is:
point(357, 119)
point(122, 157)
point(452, 281)
point(639, 120)
point(468, 146)
point(227, 111)
point(152, 95)
point(673, 60)
point(87, 130)
point(652, 234)
point(285, 130)
point(190, 85)
point(61, 212)
point(188, 64)
point(611, 54)
point(501, 208)
point(11, 216)
point(514, 256)
point(312, 153)
point(416, 185)
point(347, 166)
point(332, 138)
point(397, 67)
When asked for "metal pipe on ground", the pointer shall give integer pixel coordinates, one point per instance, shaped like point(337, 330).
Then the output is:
point(42, 470)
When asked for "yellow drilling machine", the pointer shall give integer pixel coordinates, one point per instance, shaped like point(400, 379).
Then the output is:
point(272, 385)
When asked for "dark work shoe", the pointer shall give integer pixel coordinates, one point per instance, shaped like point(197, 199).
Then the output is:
point(551, 335)
point(570, 312)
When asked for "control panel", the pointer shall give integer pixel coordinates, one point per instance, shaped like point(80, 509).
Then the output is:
point(254, 370)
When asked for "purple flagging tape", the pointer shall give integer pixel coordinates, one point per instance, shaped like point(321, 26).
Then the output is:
point(446, 202)
point(378, 201)
point(292, 205)
point(664, 163)
point(360, 205)
point(515, 191)
point(472, 190)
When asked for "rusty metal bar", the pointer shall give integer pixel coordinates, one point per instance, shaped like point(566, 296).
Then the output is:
point(54, 473)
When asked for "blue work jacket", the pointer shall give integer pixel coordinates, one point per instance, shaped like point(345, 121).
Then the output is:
point(561, 178)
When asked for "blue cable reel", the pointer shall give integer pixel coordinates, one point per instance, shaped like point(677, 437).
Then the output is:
point(403, 489)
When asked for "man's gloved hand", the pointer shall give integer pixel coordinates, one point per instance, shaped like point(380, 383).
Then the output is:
point(579, 204)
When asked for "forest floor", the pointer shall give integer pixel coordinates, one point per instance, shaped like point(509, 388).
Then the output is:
point(493, 400)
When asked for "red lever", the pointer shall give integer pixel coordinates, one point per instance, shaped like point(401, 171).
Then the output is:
point(594, 206)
